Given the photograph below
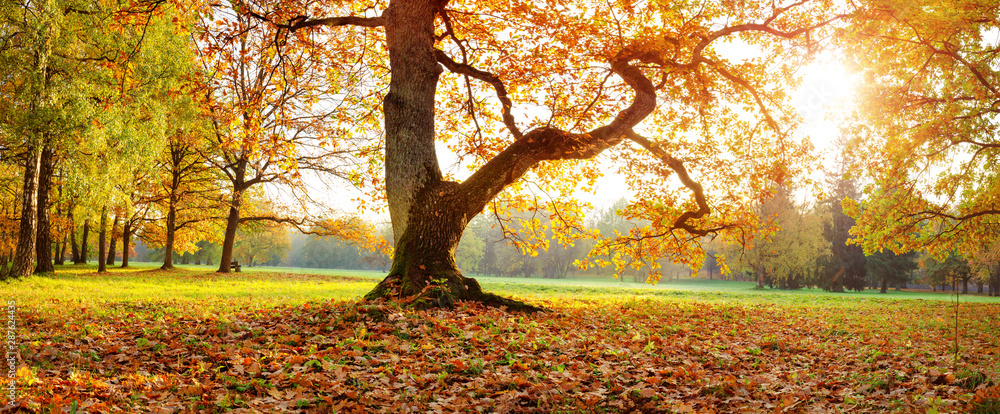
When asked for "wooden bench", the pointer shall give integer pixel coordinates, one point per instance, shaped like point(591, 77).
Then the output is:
point(235, 266)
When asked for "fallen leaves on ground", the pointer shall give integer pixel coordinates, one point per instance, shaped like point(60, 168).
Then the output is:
point(603, 356)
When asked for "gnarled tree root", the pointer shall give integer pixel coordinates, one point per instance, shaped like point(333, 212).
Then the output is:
point(443, 293)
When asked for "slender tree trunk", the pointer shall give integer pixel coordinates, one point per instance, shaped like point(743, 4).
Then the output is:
point(168, 247)
point(885, 284)
point(24, 257)
point(126, 238)
point(61, 255)
point(72, 238)
point(43, 244)
point(995, 280)
point(26, 252)
point(233, 221)
point(114, 241)
point(102, 248)
point(84, 244)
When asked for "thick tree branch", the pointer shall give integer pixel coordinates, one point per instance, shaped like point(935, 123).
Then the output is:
point(489, 78)
point(952, 51)
point(550, 144)
point(682, 174)
point(302, 21)
point(753, 92)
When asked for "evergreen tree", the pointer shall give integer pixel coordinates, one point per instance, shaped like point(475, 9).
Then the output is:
point(847, 264)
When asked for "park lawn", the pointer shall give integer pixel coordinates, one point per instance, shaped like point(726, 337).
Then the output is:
point(145, 340)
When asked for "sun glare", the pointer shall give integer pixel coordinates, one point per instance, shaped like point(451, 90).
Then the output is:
point(826, 92)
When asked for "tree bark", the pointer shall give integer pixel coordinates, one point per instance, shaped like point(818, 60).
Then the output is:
point(424, 271)
point(43, 243)
point(114, 242)
point(72, 237)
point(995, 280)
point(102, 247)
point(126, 238)
point(24, 257)
point(885, 284)
point(61, 254)
point(83, 243)
point(168, 246)
point(233, 221)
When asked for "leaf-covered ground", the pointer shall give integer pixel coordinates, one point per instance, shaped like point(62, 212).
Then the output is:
point(592, 353)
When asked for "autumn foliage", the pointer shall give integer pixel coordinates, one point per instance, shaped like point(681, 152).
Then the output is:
point(640, 351)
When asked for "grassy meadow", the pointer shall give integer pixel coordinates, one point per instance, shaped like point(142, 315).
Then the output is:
point(298, 340)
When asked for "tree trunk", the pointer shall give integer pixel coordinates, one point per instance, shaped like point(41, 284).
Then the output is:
point(102, 248)
point(114, 242)
point(126, 238)
point(885, 284)
point(83, 243)
point(232, 223)
point(965, 286)
point(995, 280)
point(423, 268)
point(168, 247)
point(43, 243)
point(61, 254)
point(24, 257)
point(72, 236)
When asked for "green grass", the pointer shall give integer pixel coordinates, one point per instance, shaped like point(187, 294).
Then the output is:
point(199, 288)
point(187, 287)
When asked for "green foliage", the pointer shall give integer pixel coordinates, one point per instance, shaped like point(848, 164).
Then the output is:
point(787, 249)
point(846, 266)
point(951, 269)
point(890, 268)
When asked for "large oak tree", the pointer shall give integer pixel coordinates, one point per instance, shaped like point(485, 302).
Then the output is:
point(649, 82)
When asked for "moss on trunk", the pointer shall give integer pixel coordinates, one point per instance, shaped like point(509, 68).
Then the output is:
point(424, 274)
